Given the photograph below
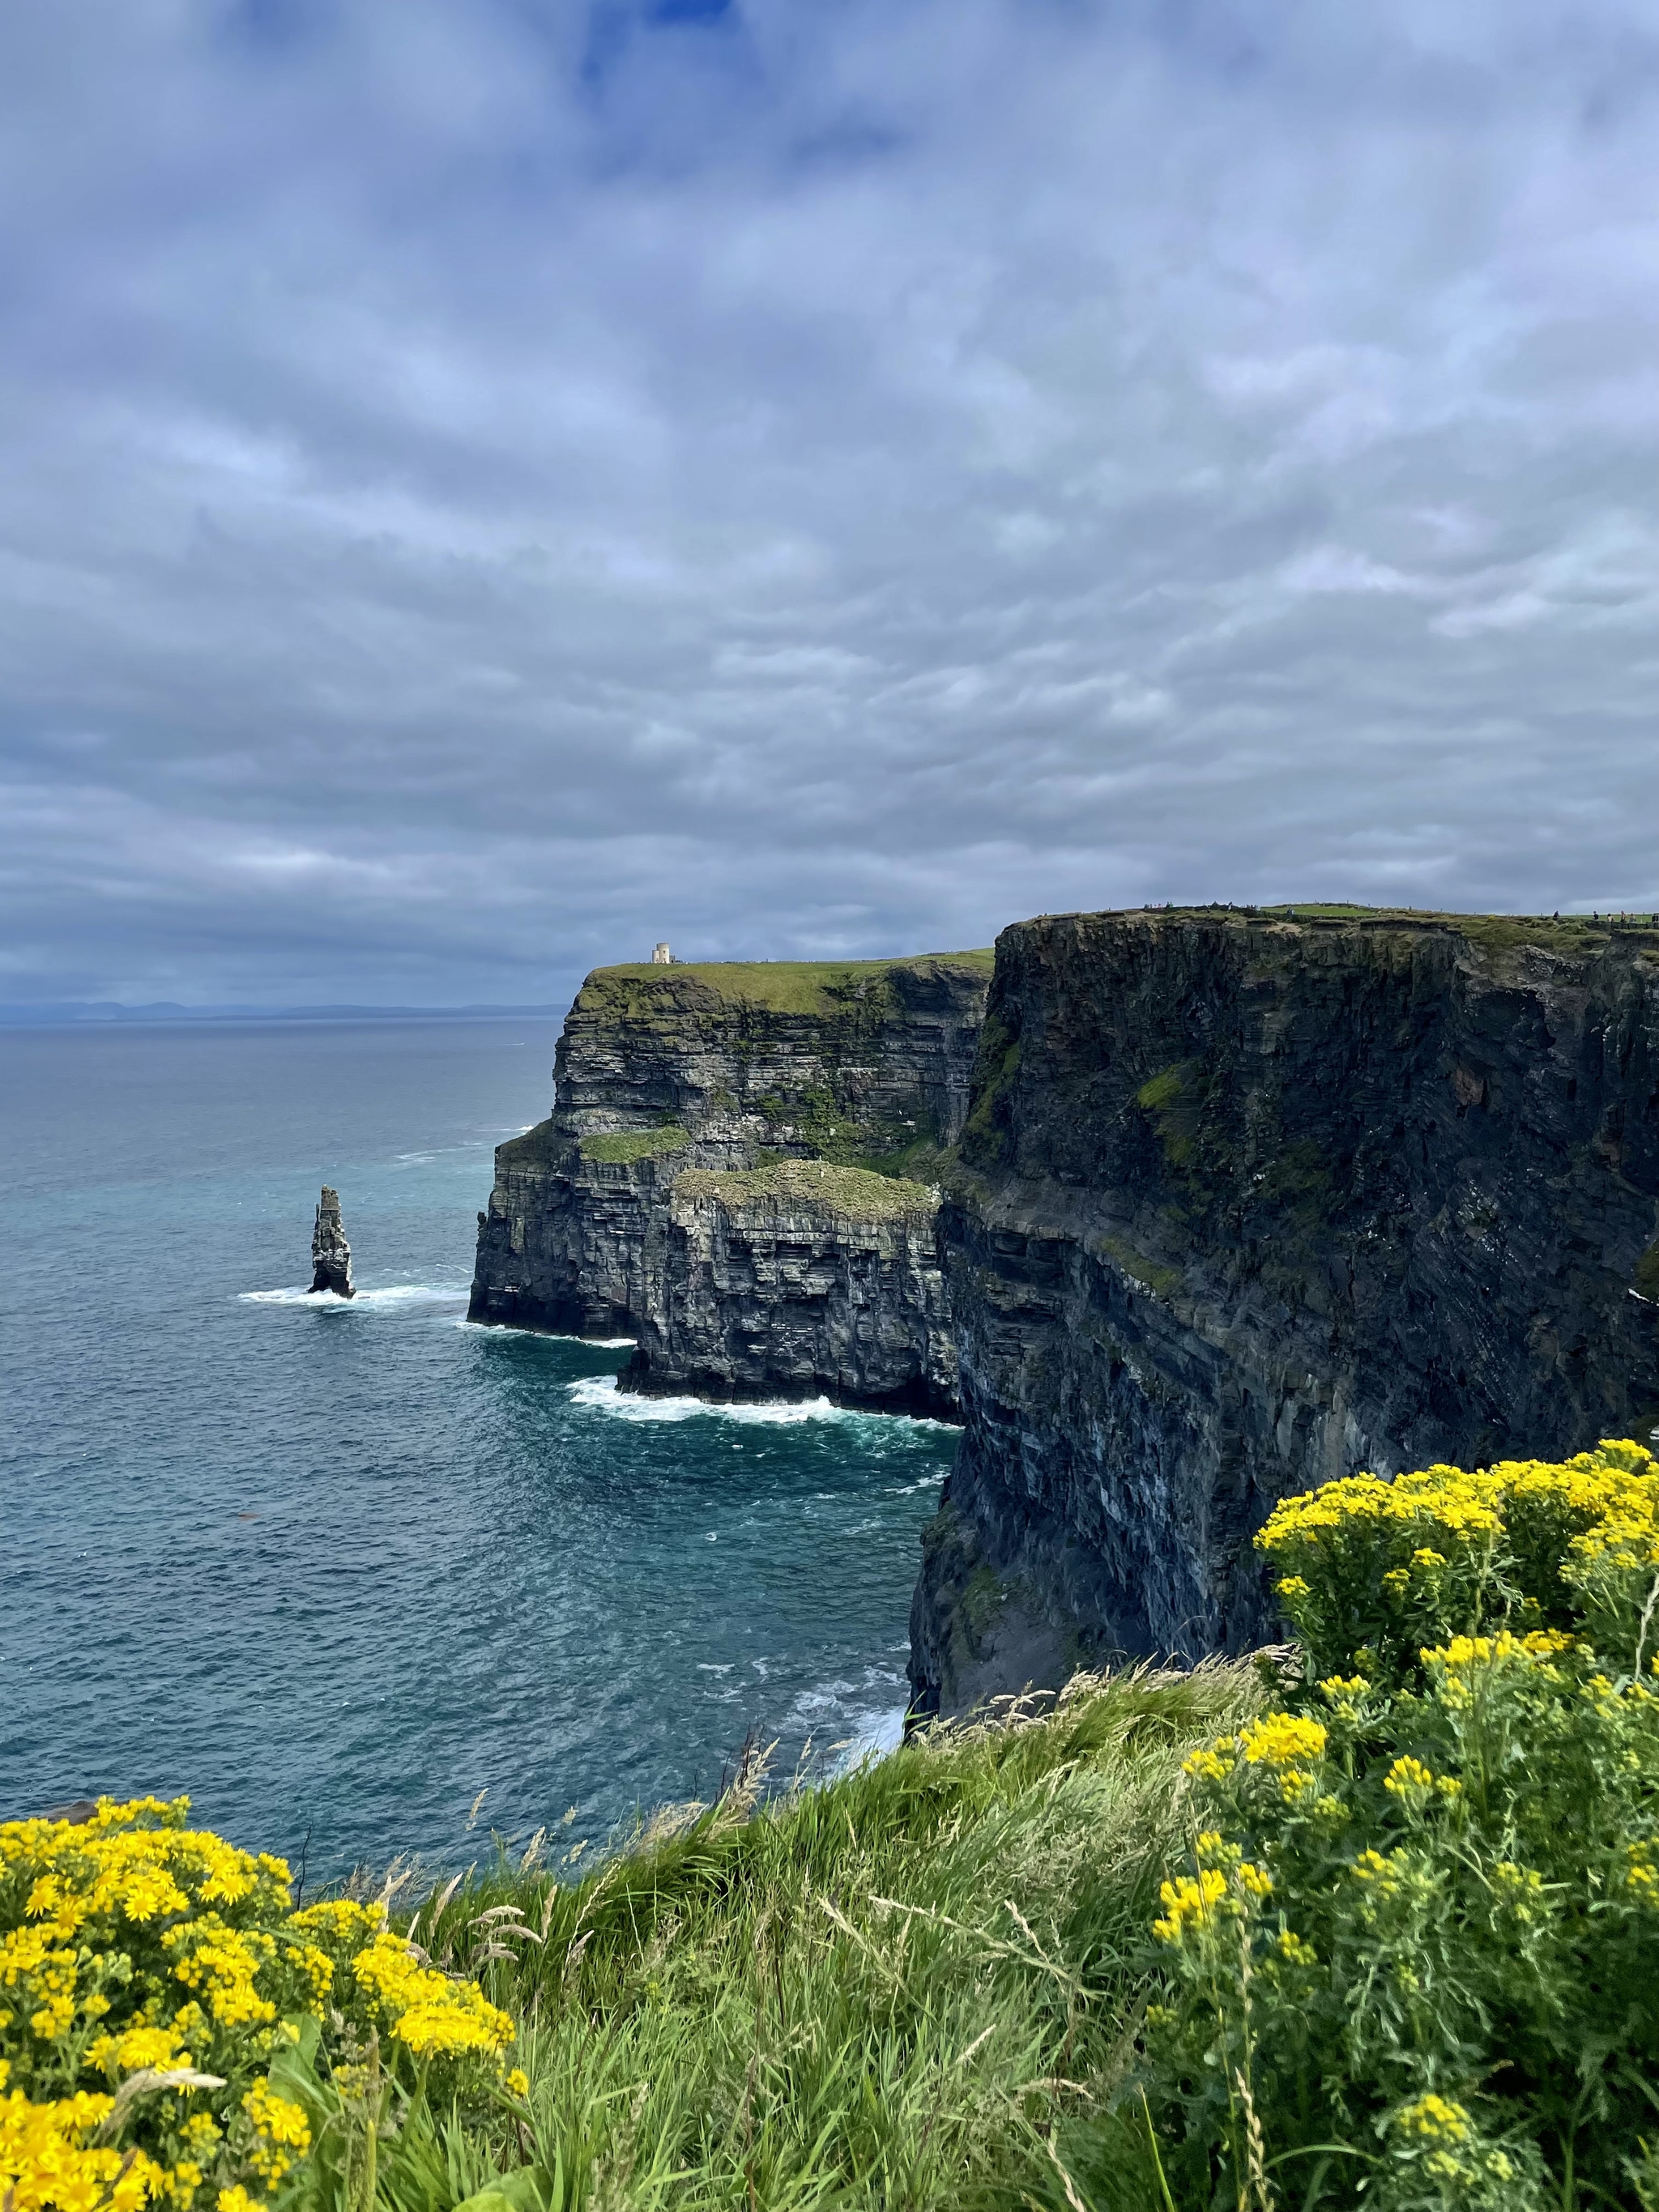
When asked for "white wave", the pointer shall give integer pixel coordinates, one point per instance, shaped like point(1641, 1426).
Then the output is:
point(850, 1721)
point(600, 1391)
point(392, 1294)
point(549, 1335)
point(875, 1733)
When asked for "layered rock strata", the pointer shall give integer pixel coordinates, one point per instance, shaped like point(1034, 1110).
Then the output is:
point(331, 1255)
point(1248, 1202)
point(797, 1278)
point(632, 1211)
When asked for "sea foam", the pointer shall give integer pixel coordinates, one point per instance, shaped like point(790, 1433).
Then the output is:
point(600, 1392)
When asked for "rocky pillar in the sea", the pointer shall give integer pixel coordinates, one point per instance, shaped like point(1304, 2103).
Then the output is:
point(331, 1255)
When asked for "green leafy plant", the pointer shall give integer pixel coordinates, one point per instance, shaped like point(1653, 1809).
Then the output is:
point(1414, 1952)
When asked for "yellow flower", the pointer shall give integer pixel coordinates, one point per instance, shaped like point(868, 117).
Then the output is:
point(1188, 1903)
point(137, 2047)
point(1215, 1764)
point(1434, 2118)
point(1280, 1740)
point(1407, 1775)
point(518, 2082)
point(428, 2012)
point(280, 2128)
point(222, 1963)
point(46, 2164)
point(318, 1969)
point(1371, 1866)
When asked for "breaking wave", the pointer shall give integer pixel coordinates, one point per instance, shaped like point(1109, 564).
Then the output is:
point(600, 1391)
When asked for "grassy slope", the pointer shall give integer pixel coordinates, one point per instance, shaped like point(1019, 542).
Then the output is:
point(913, 1986)
point(1562, 934)
point(816, 1185)
point(789, 987)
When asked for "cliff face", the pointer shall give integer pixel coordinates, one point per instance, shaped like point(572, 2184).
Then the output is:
point(796, 1279)
point(1246, 1204)
point(654, 1202)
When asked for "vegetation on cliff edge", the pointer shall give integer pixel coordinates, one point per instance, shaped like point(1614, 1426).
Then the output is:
point(1375, 1924)
point(811, 1186)
point(642, 990)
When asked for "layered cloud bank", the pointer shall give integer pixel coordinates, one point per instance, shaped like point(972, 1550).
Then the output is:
point(490, 483)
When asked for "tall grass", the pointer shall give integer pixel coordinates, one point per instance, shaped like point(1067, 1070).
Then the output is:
point(907, 1986)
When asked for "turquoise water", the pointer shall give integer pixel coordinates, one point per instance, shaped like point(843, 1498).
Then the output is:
point(335, 1570)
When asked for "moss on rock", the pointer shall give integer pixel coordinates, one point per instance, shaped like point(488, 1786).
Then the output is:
point(855, 1192)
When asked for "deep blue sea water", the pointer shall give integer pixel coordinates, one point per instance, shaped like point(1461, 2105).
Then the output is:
point(335, 1570)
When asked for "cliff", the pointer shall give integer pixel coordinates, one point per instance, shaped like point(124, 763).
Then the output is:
point(797, 1278)
point(1249, 1202)
point(655, 1201)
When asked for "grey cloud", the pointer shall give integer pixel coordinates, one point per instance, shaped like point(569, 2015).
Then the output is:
point(489, 485)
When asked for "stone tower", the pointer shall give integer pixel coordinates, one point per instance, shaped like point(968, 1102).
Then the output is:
point(661, 956)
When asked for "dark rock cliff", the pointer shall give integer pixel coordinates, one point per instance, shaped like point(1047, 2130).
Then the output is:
point(655, 1202)
point(1248, 1202)
point(796, 1279)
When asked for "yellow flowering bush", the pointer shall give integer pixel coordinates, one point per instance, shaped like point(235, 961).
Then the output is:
point(169, 2025)
point(1413, 1961)
point(1370, 1573)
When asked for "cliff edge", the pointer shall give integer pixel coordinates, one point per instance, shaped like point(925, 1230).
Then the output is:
point(661, 1200)
point(1250, 1201)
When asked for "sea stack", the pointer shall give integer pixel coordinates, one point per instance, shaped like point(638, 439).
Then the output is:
point(331, 1255)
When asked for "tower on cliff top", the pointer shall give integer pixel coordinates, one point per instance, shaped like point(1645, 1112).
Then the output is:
point(661, 956)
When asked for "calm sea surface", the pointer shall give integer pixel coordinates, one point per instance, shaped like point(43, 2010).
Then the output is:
point(335, 1570)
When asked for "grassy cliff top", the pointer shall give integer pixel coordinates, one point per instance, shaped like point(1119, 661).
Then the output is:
point(1573, 933)
point(789, 987)
point(852, 1192)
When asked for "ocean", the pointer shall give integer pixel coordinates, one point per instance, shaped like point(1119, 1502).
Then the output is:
point(365, 1580)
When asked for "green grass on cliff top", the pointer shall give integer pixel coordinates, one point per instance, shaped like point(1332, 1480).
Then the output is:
point(1494, 932)
point(785, 986)
point(916, 1985)
point(816, 1186)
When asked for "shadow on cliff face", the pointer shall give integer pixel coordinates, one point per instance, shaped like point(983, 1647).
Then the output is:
point(1245, 1205)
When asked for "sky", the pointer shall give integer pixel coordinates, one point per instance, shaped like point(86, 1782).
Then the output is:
point(486, 484)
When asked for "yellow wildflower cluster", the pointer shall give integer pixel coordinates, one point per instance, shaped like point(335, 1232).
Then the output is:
point(1189, 1902)
point(1383, 1874)
point(425, 2008)
point(1613, 1493)
point(1417, 1785)
point(147, 1972)
point(282, 2132)
point(1281, 1740)
point(48, 2164)
point(1372, 1571)
point(222, 1964)
point(1224, 1880)
point(1436, 2120)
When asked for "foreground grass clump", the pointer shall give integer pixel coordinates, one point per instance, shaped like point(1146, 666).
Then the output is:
point(164, 2013)
point(1415, 1951)
point(900, 1988)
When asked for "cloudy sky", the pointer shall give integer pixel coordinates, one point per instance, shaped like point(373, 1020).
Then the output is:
point(487, 483)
